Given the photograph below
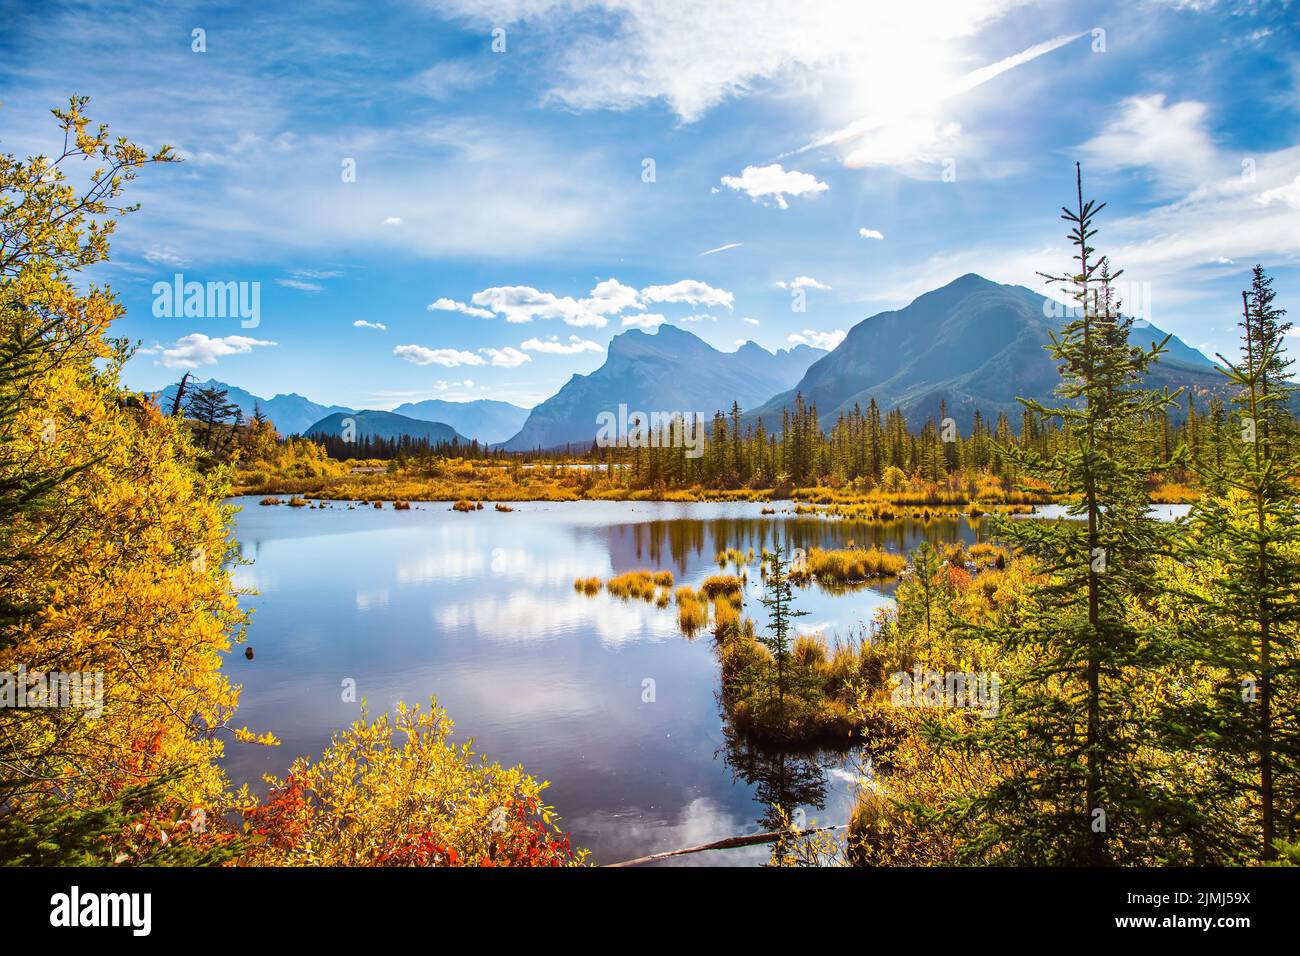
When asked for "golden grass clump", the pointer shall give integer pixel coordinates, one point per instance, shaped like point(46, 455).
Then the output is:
point(663, 579)
point(401, 506)
point(725, 613)
point(501, 507)
point(849, 565)
point(296, 502)
point(721, 584)
point(587, 586)
point(809, 650)
point(463, 505)
point(692, 613)
point(632, 584)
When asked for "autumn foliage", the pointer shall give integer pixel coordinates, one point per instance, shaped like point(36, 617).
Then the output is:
point(115, 562)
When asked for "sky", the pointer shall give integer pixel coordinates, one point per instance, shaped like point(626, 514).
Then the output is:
point(469, 198)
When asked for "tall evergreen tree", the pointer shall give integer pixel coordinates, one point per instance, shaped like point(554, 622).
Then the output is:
point(1073, 722)
point(1244, 541)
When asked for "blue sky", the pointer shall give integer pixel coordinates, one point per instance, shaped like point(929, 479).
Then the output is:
point(843, 155)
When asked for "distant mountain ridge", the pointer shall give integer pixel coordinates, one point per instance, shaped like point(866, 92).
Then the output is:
point(290, 413)
point(972, 345)
point(670, 371)
point(486, 420)
point(491, 422)
point(386, 425)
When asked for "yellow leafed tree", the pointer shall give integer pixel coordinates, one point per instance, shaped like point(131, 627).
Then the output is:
point(113, 553)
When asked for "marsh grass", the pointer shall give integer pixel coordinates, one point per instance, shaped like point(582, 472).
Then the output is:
point(847, 565)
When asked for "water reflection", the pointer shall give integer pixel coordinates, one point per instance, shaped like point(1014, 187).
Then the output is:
point(479, 610)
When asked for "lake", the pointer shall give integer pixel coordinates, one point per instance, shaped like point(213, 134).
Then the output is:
point(478, 609)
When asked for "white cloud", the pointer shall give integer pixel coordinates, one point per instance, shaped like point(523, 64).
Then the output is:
point(730, 245)
point(611, 297)
point(195, 349)
point(1288, 194)
point(451, 305)
point(1170, 140)
point(165, 257)
point(442, 385)
point(363, 324)
point(393, 221)
point(1233, 218)
point(302, 285)
point(508, 357)
point(447, 358)
point(696, 55)
point(761, 182)
point(866, 233)
point(748, 321)
point(522, 303)
point(688, 290)
point(645, 320)
point(553, 346)
point(818, 340)
point(802, 282)
point(444, 80)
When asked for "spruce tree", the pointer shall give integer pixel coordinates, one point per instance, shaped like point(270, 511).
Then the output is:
point(1073, 722)
point(779, 601)
point(1244, 550)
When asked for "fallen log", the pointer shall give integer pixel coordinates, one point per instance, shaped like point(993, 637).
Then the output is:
point(730, 843)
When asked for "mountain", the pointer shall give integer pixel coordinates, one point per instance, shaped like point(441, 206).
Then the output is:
point(489, 421)
point(670, 371)
point(974, 344)
point(384, 425)
point(289, 413)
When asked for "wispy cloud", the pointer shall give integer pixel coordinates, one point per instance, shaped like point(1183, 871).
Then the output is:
point(913, 129)
point(730, 245)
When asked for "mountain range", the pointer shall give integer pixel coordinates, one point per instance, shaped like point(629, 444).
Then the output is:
point(972, 344)
point(483, 419)
point(491, 422)
point(389, 425)
point(669, 371)
point(291, 413)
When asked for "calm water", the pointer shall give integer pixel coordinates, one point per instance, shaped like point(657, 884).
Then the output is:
point(479, 610)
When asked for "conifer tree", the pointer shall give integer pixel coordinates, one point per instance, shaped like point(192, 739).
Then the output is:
point(1073, 724)
point(779, 601)
point(1244, 551)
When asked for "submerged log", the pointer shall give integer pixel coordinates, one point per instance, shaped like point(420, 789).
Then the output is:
point(730, 843)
